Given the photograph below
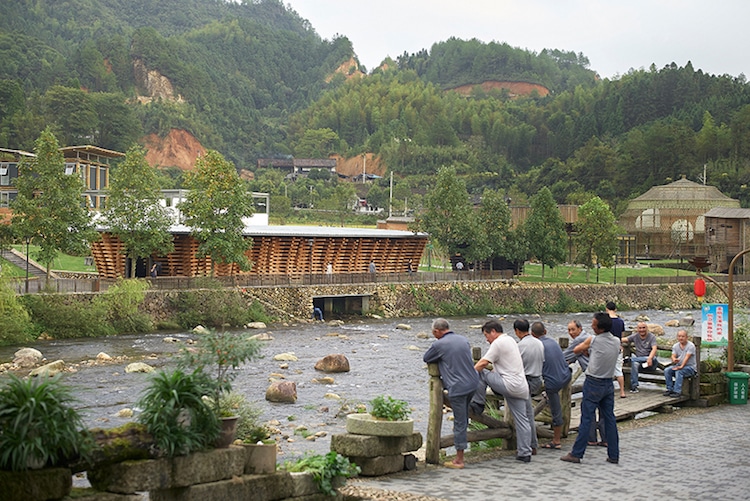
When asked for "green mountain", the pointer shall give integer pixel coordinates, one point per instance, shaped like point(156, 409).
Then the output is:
point(254, 79)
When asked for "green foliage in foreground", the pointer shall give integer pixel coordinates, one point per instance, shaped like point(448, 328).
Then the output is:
point(38, 425)
point(389, 408)
point(176, 415)
point(17, 325)
point(324, 469)
point(741, 344)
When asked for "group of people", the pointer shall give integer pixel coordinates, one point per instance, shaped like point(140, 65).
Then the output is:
point(521, 370)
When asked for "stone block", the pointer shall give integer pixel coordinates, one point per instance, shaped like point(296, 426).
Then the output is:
point(366, 424)
point(364, 446)
point(35, 485)
point(260, 458)
point(95, 495)
point(256, 487)
point(380, 465)
point(134, 476)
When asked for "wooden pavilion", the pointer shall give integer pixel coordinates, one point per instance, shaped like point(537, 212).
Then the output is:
point(293, 251)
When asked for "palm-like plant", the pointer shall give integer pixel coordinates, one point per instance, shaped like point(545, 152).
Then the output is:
point(176, 415)
point(37, 426)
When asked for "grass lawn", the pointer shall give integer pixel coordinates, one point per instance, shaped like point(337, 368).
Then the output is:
point(577, 275)
point(63, 262)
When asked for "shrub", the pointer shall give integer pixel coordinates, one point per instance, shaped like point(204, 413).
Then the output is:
point(175, 413)
point(249, 430)
point(122, 301)
point(17, 326)
point(324, 469)
point(387, 407)
point(63, 317)
point(38, 426)
point(741, 336)
point(211, 308)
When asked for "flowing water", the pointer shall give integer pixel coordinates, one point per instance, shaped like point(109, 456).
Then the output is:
point(383, 360)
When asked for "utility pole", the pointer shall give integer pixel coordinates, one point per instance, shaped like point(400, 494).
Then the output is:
point(390, 198)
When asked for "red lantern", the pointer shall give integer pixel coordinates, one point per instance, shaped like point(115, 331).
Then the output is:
point(699, 287)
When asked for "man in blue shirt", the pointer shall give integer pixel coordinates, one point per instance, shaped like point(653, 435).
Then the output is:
point(556, 374)
point(452, 353)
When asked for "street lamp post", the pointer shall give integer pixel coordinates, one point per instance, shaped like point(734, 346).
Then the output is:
point(27, 240)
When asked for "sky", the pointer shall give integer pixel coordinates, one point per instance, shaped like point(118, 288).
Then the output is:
point(616, 35)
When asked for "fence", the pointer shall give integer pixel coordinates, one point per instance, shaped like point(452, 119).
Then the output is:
point(69, 285)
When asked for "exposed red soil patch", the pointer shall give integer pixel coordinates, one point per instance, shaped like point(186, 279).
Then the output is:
point(178, 149)
point(514, 88)
point(354, 166)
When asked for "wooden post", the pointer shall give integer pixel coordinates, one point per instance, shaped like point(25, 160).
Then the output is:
point(435, 418)
point(695, 381)
point(565, 396)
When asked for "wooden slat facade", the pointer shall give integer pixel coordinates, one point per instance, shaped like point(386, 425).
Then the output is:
point(288, 255)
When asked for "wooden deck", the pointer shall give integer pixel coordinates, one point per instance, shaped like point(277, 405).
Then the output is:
point(627, 408)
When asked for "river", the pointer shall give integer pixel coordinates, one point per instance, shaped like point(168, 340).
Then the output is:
point(383, 359)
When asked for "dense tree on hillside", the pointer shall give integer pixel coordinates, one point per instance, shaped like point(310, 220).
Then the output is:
point(217, 203)
point(545, 230)
point(48, 207)
point(134, 212)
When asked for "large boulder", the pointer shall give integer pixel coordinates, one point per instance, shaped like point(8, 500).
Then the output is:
point(656, 329)
point(26, 358)
point(49, 369)
point(333, 363)
point(284, 392)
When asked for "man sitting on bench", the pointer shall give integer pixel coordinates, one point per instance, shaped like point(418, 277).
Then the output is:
point(683, 364)
point(645, 353)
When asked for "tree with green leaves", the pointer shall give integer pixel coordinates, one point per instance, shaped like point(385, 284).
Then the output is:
point(49, 208)
point(494, 218)
point(341, 199)
point(215, 207)
point(450, 219)
point(545, 230)
point(134, 212)
point(596, 235)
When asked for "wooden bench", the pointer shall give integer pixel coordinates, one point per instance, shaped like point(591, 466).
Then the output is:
point(691, 385)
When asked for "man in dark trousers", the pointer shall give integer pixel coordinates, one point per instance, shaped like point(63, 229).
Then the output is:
point(598, 391)
point(452, 353)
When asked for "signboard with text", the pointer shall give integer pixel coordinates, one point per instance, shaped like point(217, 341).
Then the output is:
point(714, 323)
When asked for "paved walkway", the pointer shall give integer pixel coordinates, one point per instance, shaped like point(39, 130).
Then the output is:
point(691, 455)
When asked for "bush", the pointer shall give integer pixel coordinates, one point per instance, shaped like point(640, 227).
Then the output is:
point(211, 308)
point(387, 407)
point(17, 327)
point(176, 415)
point(324, 469)
point(741, 344)
point(122, 302)
point(63, 317)
point(38, 426)
point(249, 430)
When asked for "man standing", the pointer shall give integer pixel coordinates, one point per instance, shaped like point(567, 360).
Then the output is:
point(556, 374)
point(618, 326)
point(683, 364)
point(532, 355)
point(452, 353)
point(645, 353)
point(508, 379)
point(597, 390)
point(577, 336)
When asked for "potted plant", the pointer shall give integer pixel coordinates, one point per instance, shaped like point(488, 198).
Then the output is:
point(328, 471)
point(39, 428)
point(175, 413)
point(388, 417)
point(218, 356)
point(254, 436)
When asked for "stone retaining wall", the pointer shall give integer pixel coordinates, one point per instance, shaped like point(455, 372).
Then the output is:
point(393, 300)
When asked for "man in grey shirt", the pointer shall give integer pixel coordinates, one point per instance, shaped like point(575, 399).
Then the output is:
point(577, 336)
point(532, 354)
point(452, 353)
point(683, 364)
point(598, 392)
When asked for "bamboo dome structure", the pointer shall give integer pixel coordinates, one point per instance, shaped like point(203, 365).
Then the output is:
point(669, 221)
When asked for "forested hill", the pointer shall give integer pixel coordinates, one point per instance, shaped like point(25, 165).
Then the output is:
point(254, 79)
point(455, 62)
point(236, 71)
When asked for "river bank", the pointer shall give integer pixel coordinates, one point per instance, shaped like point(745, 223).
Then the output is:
point(383, 358)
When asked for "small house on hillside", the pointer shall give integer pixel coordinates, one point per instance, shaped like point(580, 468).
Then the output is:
point(295, 167)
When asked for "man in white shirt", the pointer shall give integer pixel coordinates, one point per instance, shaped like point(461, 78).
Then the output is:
point(508, 379)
